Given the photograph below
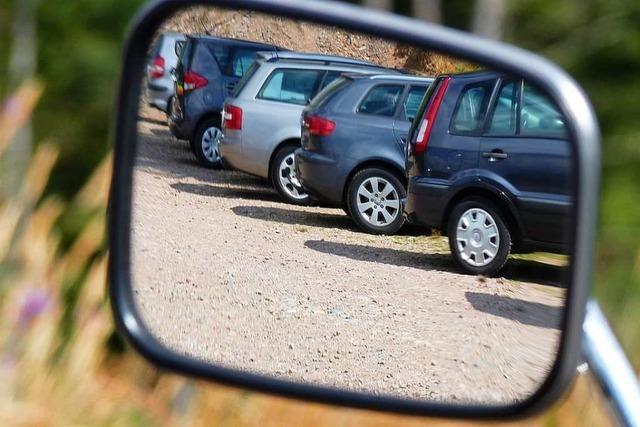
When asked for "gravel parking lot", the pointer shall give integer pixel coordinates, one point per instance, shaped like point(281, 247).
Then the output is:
point(225, 272)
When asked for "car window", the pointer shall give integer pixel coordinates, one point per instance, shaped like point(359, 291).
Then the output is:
point(291, 86)
point(242, 61)
point(469, 114)
point(503, 121)
point(381, 100)
point(414, 98)
point(540, 117)
point(222, 55)
point(330, 77)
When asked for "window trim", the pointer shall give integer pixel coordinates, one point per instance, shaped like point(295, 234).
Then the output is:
point(267, 80)
point(403, 89)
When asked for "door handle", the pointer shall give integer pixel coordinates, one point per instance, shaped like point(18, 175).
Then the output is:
point(495, 155)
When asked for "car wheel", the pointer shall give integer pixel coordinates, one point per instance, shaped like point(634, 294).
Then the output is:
point(284, 179)
point(205, 143)
point(374, 201)
point(479, 238)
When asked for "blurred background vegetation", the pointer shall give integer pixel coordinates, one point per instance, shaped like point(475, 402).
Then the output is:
point(77, 54)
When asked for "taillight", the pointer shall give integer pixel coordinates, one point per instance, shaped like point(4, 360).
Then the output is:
point(319, 126)
point(193, 81)
point(157, 67)
point(232, 117)
point(424, 131)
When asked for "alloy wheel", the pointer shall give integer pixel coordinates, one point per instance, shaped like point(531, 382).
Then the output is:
point(377, 201)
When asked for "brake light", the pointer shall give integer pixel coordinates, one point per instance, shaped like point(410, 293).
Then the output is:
point(319, 126)
point(232, 117)
point(193, 81)
point(157, 67)
point(424, 131)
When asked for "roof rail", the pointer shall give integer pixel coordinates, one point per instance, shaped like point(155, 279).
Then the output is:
point(315, 57)
point(401, 77)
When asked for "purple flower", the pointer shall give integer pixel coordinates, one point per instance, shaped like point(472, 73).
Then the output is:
point(36, 302)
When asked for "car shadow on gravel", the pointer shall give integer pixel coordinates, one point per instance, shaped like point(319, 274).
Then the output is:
point(291, 216)
point(210, 190)
point(517, 270)
point(525, 312)
point(314, 219)
point(389, 256)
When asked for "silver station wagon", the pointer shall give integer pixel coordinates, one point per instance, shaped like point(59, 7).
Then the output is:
point(261, 120)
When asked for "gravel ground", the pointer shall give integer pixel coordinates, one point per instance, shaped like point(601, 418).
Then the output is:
point(226, 272)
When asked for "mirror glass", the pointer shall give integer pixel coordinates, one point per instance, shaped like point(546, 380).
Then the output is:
point(331, 208)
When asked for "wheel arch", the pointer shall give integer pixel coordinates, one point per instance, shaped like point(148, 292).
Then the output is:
point(278, 147)
point(499, 200)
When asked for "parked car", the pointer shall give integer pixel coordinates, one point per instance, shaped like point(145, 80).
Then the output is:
point(262, 117)
point(163, 60)
point(489, 163)
point(352, 154)
point(208, 70)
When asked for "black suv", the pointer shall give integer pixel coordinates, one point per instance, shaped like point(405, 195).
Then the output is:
point(489, 163)
point(207, 71)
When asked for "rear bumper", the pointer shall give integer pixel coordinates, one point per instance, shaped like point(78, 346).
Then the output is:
point(158, 96)
point(318, 175)
point(426, 201)
point(231, 148)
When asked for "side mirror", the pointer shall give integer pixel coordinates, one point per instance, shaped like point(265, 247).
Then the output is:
point(279, 257)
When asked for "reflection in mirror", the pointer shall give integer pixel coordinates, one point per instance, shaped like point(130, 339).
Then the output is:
point(331, 208)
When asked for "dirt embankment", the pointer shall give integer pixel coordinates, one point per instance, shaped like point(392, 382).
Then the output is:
point(306, 37)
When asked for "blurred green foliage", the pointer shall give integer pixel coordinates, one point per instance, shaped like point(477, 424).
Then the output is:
point(597, 41)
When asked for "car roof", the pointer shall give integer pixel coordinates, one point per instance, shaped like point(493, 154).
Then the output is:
point(313, 58)
point(226, 40)
point(475, 75)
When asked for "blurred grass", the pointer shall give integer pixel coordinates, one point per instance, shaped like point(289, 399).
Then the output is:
point(62, 363)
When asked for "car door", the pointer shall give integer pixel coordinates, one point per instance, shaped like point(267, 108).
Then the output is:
point(530, 167)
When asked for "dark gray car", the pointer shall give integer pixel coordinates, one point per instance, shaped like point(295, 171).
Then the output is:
point(352, 155)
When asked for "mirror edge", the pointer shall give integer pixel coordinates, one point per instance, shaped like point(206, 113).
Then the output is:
point(565, 91)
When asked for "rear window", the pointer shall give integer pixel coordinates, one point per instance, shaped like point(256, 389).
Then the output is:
point(290, 86)
point(247, 76)
point(185, 55)
point(333, 87)
point(234, 61)
point(381, 100)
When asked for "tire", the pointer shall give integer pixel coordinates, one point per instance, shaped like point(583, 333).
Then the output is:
point(283, 177)
point(376, 210)
point(204, 143)
point(485, 247)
